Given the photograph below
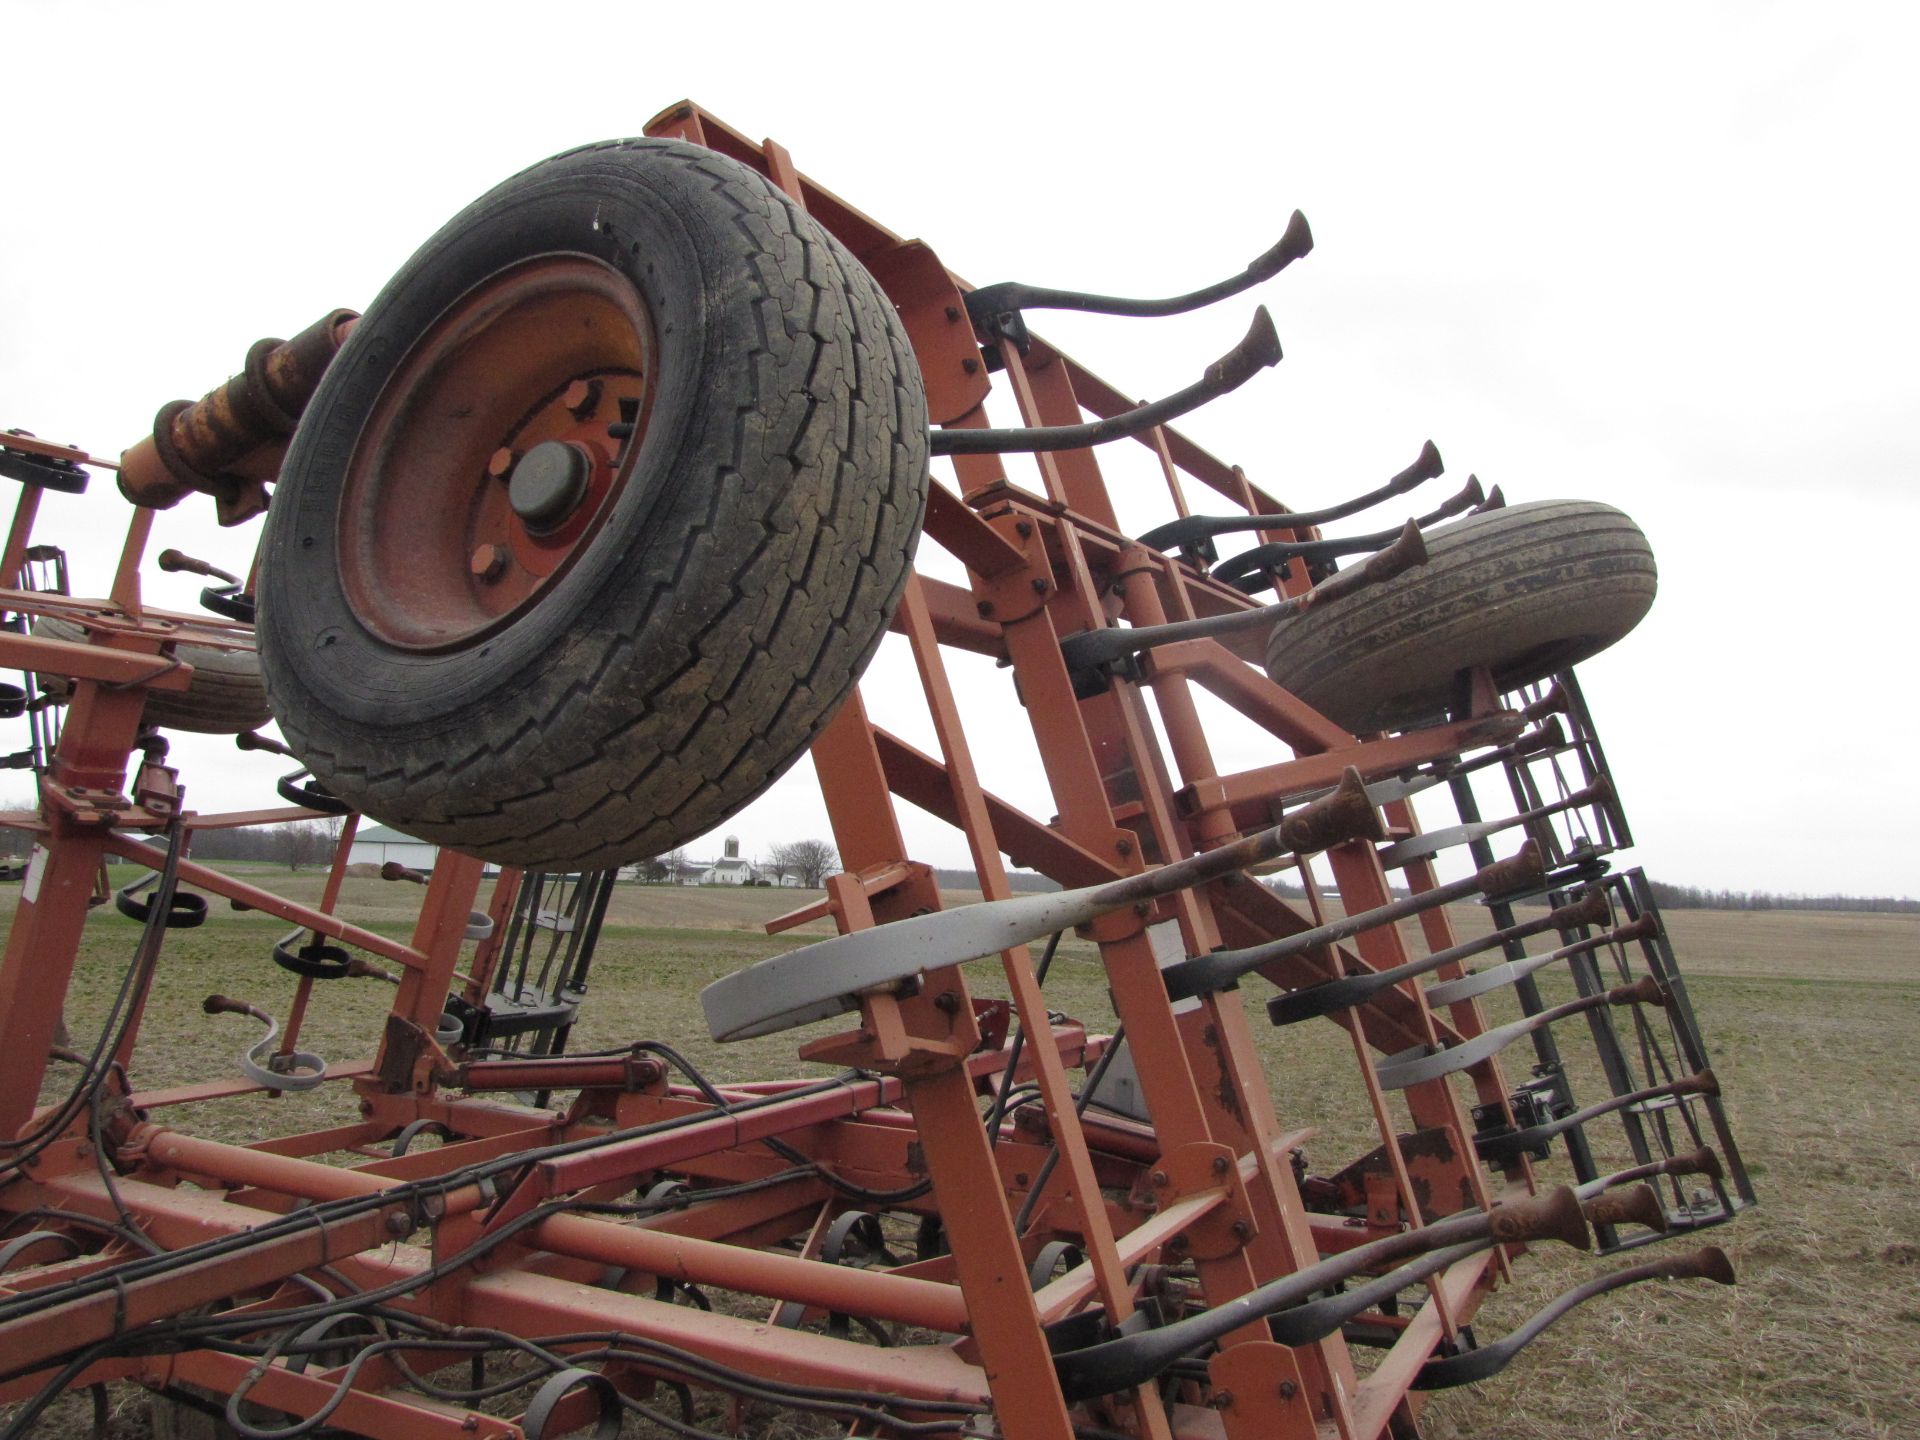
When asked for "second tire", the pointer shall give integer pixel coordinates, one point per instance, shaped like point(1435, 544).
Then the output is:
point(1526, 591)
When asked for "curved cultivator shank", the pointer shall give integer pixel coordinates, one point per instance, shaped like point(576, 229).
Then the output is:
point(580, 537)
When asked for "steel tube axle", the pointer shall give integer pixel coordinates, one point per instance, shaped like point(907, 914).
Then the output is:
point(1190, 530)
point(1351, 990)
point(826, 978)
point(1244, 570)
point(1205, 973)
point(987, 304)
point(1259, 350)
point(1412, 1067)
point(1134, 1359)
point(1707, 1263)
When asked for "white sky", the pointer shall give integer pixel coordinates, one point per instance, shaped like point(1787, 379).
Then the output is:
point(1644, 254)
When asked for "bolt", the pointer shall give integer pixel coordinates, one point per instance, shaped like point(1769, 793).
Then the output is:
point(1143, 908)
point(582, 398)
point(1159, 1178)
point(985, 607)
point(1040, 586)
point(1242, 1231)
point(946, 1002)
point(1124, 846)
point(488, 564)
point(1288, 1389)
point(1220, 1400)
point(399, 1224)
point(971, 366)
point(1177, 1245)
point(1024, 529)
point(1220, 1163)
point(500, 465)
point(953, 314)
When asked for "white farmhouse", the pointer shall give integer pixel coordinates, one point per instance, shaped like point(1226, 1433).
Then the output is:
point(729, 869)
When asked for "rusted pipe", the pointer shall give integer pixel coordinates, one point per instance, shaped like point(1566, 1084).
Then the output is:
point(837, 1288)
point(696, 1262)
point(227, 443)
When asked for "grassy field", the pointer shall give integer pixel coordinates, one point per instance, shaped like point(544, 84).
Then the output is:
point(1811, 1019)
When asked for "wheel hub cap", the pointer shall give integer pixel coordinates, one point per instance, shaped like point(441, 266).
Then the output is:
point(548, 484)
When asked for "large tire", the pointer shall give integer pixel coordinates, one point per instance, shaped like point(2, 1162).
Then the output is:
point(224, 697)
point(1526, 591)
point(718, 589)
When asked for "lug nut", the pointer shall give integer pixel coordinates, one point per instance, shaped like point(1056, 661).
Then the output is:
point(582, 398)
point(488, 564)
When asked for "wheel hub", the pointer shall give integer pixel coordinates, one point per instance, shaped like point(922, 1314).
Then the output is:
point(548, 484)
point(501, 442)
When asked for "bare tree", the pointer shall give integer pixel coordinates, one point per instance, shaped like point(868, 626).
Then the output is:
point(811, 860)
point(310, 842)
point(664, 869)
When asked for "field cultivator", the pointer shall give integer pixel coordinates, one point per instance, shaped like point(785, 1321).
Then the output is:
point(578, 539)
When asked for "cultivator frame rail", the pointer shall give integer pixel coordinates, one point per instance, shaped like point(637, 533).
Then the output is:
point(1074, 1269)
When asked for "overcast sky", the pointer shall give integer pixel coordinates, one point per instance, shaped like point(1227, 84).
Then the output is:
point(1653, 255)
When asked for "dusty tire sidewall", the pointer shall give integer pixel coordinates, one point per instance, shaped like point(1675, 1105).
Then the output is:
point(1527, 590)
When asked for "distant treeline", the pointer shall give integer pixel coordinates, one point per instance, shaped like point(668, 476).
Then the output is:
point(1696, 897)
point(1020, 881)
point(306, 843)
point(293, 845)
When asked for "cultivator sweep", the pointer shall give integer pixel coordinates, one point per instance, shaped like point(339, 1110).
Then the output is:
point(578, 539)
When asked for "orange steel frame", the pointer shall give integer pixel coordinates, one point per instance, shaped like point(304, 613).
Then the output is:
point(1210, 1182)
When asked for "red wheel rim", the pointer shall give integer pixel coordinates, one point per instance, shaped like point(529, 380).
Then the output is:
point(432, 553)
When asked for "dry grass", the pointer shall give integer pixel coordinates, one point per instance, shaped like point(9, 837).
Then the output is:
point(1811, 1019)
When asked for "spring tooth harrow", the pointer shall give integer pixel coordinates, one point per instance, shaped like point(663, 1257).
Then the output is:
point(944, 1237)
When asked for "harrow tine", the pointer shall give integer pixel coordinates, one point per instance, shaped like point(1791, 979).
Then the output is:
point(174, 561)
point(1548, 736)
point(1205, 973)
point(1707, 1263)
point(253, 740)
point(1555, 702)
point(1637, 1206)
point(1259, 350)
point(826, 978)
point(1134, 1359)
point(1090, 654)
point(1496, 1148)
point(1452, 992)
point(1245, 570)
point(296, 1070)
point(987, 305)
point(1411, 1067)
point(1351, 990)
point(1189, 530)
point(1700, 1162)
point(1421, 847)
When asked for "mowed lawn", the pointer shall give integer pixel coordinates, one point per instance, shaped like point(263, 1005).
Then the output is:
point(1812, 1020)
